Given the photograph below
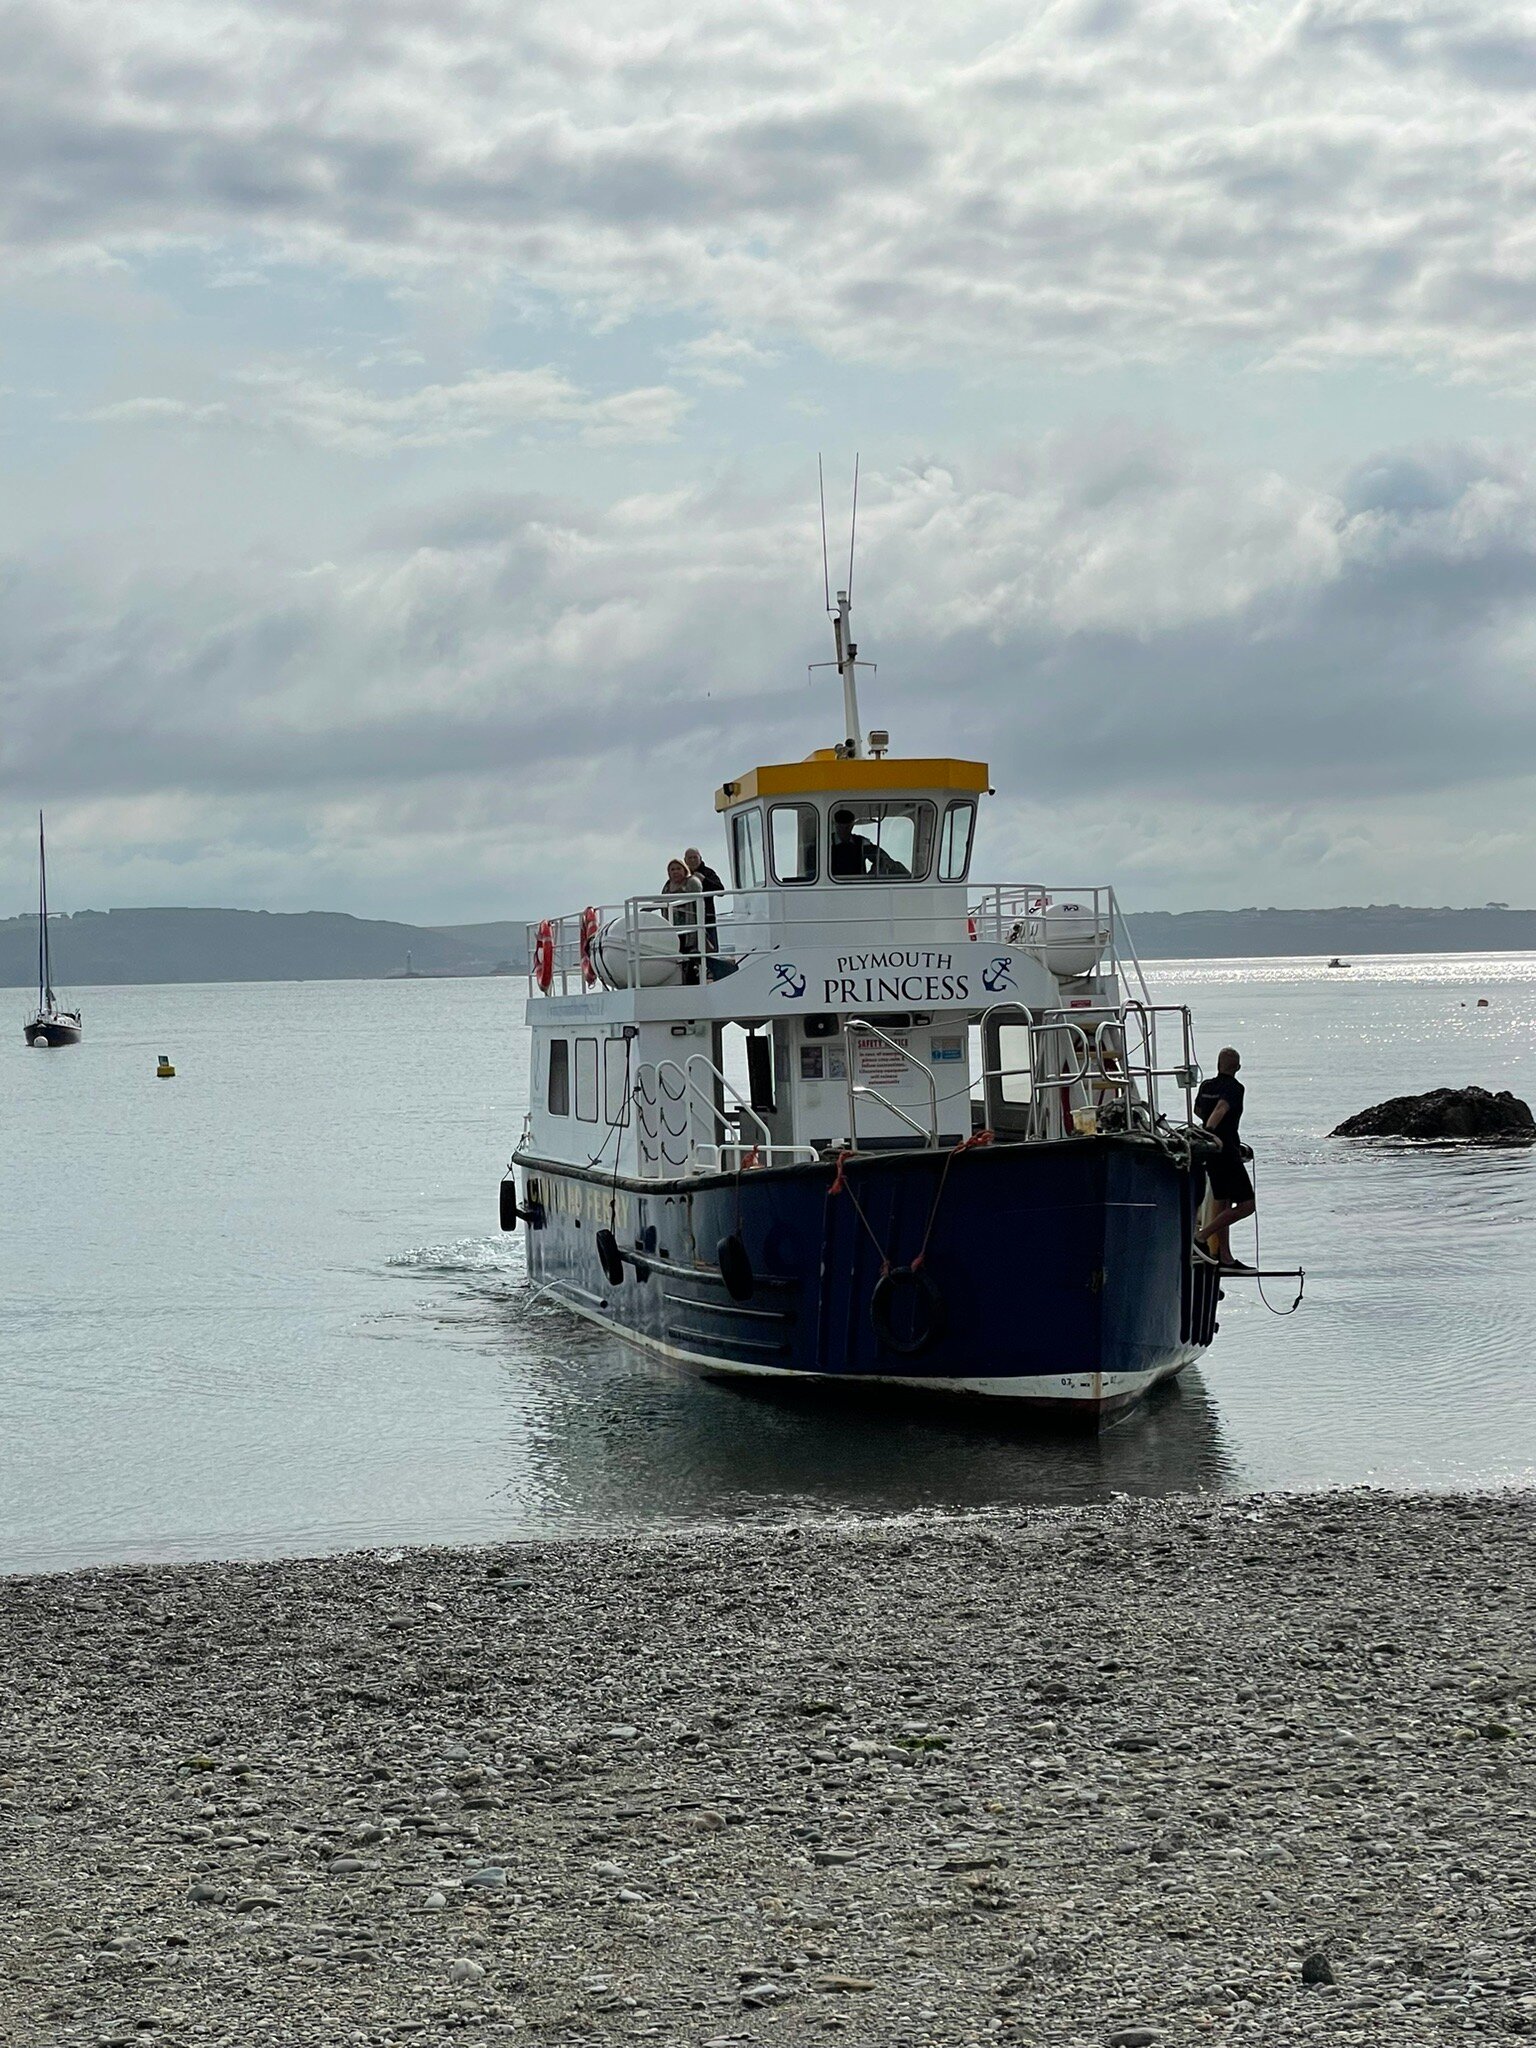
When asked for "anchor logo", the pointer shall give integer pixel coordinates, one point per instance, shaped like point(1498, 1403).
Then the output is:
point(999, 975)
point(791, 982)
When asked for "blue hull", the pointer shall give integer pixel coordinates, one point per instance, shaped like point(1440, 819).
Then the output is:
point(1056, 1274)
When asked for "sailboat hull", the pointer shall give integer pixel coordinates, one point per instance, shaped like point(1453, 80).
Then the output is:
point(52, 1031)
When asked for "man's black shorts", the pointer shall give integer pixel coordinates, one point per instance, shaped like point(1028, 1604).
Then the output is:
point(1229, 1179)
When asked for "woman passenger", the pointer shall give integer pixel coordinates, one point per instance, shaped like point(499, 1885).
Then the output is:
point(685, 914)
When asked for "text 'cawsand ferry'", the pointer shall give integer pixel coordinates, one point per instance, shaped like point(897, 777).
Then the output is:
point(944, 1160)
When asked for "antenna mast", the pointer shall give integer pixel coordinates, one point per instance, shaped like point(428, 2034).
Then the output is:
point(842, 628)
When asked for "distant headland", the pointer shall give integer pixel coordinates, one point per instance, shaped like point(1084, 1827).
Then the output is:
point(105, 947)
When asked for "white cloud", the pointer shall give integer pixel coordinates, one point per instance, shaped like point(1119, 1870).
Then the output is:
point(353, 420)
point(1331, 182)
point(722, 359)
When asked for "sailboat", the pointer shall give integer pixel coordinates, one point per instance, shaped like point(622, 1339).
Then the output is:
point(50, 1025)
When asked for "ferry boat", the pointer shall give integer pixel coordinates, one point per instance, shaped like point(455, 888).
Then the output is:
point(860, 1117)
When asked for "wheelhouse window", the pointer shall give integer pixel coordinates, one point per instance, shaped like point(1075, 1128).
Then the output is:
point(747, 864)
point(586, 1080)
point(792, 835)
point(559, 1077)
point(889, 841)
point(955, 840)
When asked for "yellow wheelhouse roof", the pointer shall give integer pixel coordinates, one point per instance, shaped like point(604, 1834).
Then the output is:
point(827, 774)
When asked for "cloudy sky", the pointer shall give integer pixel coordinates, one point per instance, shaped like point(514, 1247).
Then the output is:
point(410, 417)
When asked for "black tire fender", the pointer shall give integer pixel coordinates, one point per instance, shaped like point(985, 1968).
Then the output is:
point(509, 1208)
point(735, 1268)
point(608, 1257)
point(907, 1310)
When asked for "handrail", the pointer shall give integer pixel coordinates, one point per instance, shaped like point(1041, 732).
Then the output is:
point(749, 918)
point(731, 1089)
point(929, 1137)
point(704, 1155)
point(714, 1158)
point(1117, 917)
point(855, 1090)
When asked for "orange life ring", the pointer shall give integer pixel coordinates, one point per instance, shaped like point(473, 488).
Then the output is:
point(970, 927)
point(588, 934)
point(544, 956)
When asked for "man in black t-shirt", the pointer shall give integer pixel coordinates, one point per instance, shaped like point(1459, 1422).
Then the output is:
point(850, 853)
point(1219, 1106)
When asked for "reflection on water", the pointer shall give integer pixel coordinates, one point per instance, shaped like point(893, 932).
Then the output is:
point(622, 1436)
point(267, 1310)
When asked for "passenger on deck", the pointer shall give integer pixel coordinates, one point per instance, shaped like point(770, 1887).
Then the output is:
point(711, 884)
point(1219, 1106)
point(852, 854)
point(685, 914)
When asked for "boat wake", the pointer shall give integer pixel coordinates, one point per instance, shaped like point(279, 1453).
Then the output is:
point(479, 1257)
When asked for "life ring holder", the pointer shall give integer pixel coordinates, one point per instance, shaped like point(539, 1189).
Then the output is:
point(544, 957)
point(589, 923)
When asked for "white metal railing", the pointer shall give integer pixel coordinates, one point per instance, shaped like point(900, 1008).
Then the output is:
point(1099, 1071)
point(737, 1158)
point(697, 1155)
point(677, 938)
point(930, 1136)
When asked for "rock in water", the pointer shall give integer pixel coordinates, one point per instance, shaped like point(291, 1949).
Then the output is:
point(1466, 1113)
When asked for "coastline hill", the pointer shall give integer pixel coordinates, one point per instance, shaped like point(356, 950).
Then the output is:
point(96, 947)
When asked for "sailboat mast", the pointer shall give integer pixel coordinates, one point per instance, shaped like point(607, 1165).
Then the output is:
point(44, 966)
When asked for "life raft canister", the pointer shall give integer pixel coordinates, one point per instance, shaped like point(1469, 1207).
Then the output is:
point(589, 922)
point(544, 956)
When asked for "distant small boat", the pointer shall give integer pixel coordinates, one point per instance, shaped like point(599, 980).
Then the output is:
point(49, 1025)
point(1337, 962)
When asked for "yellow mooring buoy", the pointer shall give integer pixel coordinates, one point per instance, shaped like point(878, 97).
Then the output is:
point(165, 1071)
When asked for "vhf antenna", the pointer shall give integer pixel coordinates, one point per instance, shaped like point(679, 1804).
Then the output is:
point(853, 526)
point(826, 577)
point(852, 747)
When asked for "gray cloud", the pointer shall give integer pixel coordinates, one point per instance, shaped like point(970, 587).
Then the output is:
point(1143, 642)
point(1102, 183)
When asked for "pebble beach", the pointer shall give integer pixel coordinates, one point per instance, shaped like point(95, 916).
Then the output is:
point(1249, 1770)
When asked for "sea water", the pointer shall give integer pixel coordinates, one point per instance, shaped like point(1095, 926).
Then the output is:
point(264, 1307)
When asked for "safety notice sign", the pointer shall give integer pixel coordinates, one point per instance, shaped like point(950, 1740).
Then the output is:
point(876, 1062)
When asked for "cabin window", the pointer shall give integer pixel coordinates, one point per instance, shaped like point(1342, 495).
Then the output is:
point(616, 1079)
point(888, 841)
point(559, 1077)
point(955, 840)
point(586, 1080)
point(747, 850)
point(792, 831)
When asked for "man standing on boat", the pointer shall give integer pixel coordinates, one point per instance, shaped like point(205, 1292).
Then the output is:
point(711, 884)
point(1219, 1106)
